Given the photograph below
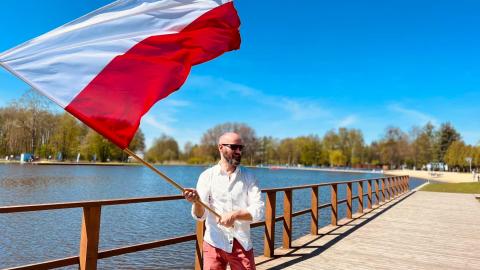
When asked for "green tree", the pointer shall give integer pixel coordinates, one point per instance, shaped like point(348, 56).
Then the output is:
point(310, 150)
point(337, 158)
point(268, 150)
point(138, 142)
point(67, 137)
point(423, 145)
point(210, 140)
point(394, 147)
point(446, 136)
point(163, 149)
point(456, 154)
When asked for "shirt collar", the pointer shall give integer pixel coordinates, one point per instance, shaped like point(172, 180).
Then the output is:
point(221, 172)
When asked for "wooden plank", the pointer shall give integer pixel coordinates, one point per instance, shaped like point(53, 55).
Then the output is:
point(287, 220)
point(53, 206)
point(200, 232)
point(383, 191)
point(314, 209)
point(412, 235)
point(369, 198)
point(145, 246)
point(377, 192)
point(48, 264)
point(269, 236)
point(360, 197)
point(89, 238)
point(349, 200)
point(334, 207)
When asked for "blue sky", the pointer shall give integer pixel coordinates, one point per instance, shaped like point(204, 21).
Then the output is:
point(310, 66)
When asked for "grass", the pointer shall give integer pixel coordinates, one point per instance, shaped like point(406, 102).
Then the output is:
point(471, 188)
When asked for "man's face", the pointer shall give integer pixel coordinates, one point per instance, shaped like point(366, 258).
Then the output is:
point(232, 153)
point(231, 149)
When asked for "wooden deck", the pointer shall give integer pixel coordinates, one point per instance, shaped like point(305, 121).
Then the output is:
point(422, 230)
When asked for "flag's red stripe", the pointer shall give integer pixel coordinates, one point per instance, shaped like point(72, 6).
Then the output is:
point(130, 84)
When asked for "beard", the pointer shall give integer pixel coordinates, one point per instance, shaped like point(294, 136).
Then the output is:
point(234, 159)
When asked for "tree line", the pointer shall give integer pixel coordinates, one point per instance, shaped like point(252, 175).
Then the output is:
point(342, 147)
point(29, 125)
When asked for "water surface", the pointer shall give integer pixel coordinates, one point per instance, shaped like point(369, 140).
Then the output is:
point(40, 236)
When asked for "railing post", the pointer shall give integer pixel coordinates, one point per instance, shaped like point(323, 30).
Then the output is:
point(394, 187)
point(369, 196)
point(387, 189)
point(383, 190)
point(399, 185)
point(314, 208)
point(397, 191)
point(407, 183)
point(377, 195)
point(199, 245)
point(334, 202)
point(287, 221)
point(360, 197)
point(349, 200)
point(269, 242)
point(89, 238)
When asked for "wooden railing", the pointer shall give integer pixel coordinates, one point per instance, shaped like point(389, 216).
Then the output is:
point(385, 188)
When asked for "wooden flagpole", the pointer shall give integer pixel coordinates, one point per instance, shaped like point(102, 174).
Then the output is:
point(168, 179)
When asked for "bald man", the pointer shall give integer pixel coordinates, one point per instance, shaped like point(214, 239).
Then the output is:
point(232, 191)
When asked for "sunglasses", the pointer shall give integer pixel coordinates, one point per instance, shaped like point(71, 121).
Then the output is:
point(234, 147)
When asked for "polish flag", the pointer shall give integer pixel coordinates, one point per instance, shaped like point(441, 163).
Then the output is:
point(110, 66)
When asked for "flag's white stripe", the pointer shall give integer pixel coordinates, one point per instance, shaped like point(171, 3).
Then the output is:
point(62, 62)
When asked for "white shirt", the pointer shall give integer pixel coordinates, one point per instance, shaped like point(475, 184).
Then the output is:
point(225, 193)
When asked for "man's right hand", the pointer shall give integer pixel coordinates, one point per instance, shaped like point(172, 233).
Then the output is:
point(190, 195)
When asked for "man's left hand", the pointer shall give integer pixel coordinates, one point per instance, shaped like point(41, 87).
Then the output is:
point(227, 219)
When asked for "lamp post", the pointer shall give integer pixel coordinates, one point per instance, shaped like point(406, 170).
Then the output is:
point(469, 160)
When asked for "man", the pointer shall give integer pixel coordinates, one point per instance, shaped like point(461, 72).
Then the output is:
point(232, 192)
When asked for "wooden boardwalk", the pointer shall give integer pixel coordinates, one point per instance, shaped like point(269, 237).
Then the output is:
point(422, 230)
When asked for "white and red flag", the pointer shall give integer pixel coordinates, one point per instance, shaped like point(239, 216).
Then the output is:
point(110, 66)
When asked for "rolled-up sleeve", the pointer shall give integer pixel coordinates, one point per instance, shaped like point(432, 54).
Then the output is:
point(204, 192)
point(255, 204)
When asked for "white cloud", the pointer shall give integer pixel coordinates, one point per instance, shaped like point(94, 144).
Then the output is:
point(175, 103)
point(298, 109)
point(162, 125)
point(417, 116)
point(347, 121)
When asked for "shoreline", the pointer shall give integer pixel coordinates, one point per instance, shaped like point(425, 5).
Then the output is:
point(320, 169)
point(84, 163)
point(444, 177)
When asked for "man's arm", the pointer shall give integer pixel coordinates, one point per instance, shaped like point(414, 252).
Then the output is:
point(253, 212)
point(229, 218)
point(201, 193)
point(192, 196)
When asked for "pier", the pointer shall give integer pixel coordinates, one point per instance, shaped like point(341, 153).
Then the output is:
point(372, 197)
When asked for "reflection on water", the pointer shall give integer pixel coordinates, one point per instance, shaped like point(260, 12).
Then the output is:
point(40, 236)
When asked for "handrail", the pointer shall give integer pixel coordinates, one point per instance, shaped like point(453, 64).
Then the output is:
point(65, 205)
point(384, 188)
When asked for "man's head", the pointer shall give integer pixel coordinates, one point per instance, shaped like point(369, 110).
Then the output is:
point(230, 146)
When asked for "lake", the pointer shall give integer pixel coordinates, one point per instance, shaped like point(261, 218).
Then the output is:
point(40, 236)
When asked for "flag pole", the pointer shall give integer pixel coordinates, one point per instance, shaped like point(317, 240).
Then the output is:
point(168, 179)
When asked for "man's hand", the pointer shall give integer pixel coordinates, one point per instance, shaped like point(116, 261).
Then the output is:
point(190, 195)
point(227, 219)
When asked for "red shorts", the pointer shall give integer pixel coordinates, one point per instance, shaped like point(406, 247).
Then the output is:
point(217, 259)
